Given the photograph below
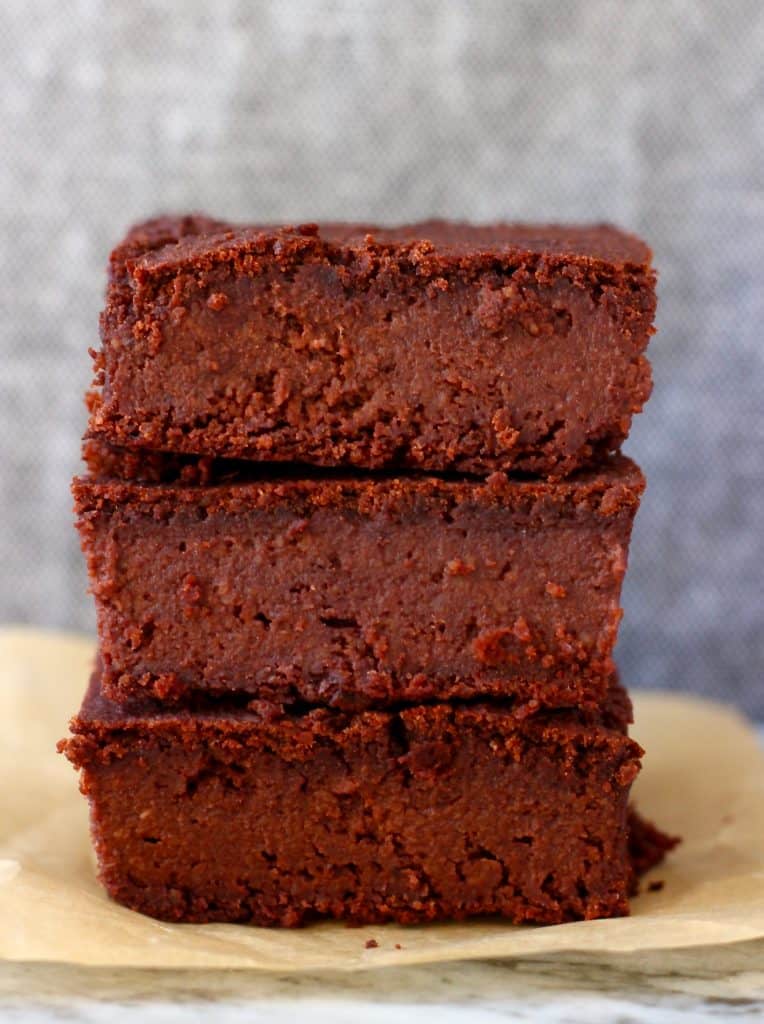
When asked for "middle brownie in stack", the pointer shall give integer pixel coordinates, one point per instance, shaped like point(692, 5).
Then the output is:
point(360, 592)
point(378, 692)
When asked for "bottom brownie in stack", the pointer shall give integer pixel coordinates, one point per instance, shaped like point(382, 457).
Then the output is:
point(437, 811)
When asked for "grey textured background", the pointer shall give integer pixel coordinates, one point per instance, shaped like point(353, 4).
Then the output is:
point(650, 114)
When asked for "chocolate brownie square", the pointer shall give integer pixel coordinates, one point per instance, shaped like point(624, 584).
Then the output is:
point(433, 812)
point(435, 346)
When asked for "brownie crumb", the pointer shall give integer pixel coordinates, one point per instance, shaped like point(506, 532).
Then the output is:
point(655, 886)
point(217, 301)
point(371, 944)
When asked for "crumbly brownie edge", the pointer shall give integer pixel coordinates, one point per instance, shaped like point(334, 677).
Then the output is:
point(613, 485)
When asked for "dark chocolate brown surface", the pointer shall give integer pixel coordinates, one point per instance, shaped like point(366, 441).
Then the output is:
point(427, 813)
point(435, 346)
point(361, 591)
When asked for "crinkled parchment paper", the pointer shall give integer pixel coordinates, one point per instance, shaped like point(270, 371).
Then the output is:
point(703, 779)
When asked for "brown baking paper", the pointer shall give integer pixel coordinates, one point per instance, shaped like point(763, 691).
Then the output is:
point(703, 779)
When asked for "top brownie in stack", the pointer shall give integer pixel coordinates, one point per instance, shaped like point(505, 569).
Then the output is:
point(434, 346)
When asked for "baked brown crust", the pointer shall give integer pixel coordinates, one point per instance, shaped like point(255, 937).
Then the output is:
point(433, 346)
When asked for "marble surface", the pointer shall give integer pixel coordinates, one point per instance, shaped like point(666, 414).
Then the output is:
point(725, 983)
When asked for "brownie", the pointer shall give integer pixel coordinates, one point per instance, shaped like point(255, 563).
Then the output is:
point(360, 591)
point(436, 346)
point(430, 812)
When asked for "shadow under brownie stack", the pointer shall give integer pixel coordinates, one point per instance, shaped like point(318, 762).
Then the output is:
point(356, 524)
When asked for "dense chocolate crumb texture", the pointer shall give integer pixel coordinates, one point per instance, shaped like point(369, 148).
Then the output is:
point(434, 346)
point(432, 812)
point(356, 590)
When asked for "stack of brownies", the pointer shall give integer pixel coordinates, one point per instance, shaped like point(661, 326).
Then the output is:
point(356, 526)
